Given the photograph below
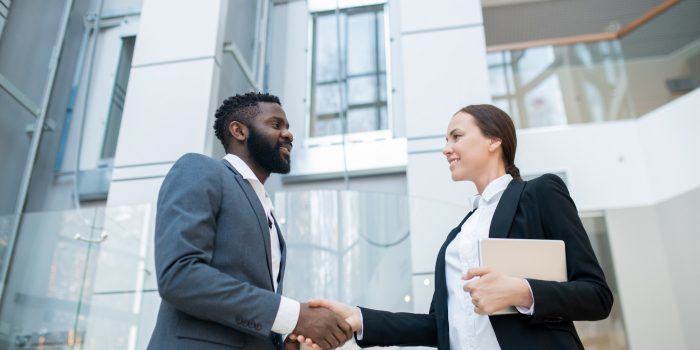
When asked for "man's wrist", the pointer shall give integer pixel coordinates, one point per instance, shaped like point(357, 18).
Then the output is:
point(287, 316)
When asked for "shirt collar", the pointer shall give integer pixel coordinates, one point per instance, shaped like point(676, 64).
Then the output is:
point(492, 190)
point(241, 167)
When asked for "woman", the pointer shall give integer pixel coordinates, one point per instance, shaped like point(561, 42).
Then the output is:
point(481, 144)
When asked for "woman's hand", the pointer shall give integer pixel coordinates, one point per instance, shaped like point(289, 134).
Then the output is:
point(494, 291)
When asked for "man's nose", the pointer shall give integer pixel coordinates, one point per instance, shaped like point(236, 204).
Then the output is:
point(288, 135)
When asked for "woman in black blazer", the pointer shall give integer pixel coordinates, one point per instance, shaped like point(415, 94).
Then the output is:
point(481, 144)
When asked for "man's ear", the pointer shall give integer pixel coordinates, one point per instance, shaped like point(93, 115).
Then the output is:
point(238, 130)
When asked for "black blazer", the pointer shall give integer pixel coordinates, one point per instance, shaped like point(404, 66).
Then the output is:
point(536, 209)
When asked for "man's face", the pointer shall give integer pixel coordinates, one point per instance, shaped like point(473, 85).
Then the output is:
point(269, 140)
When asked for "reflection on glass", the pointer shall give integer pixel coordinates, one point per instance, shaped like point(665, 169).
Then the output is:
point(123, 275)
point(364, 119)
point(327, 100)
point(347, 246)
point(605, 80)
point(361, 71)
point(68, 293)
point(354, 247)
point(326, 47)
point(242, 28)
point(41, 304)
point(362, 90)
point(544, 104)
point(534, 62)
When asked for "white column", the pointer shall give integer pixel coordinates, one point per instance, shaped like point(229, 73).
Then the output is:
point(171, 95)
point(443, 69)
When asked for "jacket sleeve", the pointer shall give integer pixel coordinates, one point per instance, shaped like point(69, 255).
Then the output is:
point(383, 328)
point(585, 296)
point(188, 204)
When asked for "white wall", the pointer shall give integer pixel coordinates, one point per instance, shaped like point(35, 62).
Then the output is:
point(649, 305)
point(670, 144)
point(679, 228)
point(604, 162)
point(288, 63)
point(173, 82)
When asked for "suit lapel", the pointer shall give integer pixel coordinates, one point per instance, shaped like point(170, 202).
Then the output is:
point(283, 258)
point(505, 211)
point(259, 214)
point(440, 282)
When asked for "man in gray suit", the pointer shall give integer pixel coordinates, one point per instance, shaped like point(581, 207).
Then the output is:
point(219, 253)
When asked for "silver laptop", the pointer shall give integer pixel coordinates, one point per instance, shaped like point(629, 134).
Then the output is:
point(541, 259)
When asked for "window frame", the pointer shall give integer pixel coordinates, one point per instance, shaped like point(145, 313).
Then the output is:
point(361, 136)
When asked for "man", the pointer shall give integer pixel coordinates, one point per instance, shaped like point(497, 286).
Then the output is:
point(219, 254)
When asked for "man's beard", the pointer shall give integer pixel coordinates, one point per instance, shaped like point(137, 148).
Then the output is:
point(268, 156)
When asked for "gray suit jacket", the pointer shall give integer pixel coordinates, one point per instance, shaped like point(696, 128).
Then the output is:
point(212, 255)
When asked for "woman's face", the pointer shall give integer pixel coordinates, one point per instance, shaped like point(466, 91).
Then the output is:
point(467, 150)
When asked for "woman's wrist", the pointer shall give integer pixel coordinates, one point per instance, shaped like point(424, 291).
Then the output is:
point(523, 294)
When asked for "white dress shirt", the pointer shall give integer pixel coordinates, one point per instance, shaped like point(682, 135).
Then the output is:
point(288, 312)
point(469, 330)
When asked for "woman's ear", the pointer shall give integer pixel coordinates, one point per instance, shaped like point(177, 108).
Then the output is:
point(495, 143)
point(238, 130)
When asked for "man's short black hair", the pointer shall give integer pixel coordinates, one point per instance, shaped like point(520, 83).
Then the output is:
point(240, 108)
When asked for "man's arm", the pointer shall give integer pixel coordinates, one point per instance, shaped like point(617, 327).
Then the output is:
point(188, 203)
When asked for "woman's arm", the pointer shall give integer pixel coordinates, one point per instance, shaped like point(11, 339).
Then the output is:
point(586, 295)
point(382, 328)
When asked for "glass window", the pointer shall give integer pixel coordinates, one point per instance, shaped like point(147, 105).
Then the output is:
point(116, 106)
point(348, 71)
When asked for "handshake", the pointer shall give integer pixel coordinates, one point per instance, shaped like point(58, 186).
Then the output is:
point(324, 324)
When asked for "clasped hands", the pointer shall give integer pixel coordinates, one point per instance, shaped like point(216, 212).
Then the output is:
point(490, 292)
point(330, 325)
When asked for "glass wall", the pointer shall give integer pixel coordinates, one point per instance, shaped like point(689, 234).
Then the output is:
point(86, 280)
point(78, 280)
point(348, 246)
point(604, 80)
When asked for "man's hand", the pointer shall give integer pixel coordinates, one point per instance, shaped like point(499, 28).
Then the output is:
point(494, 291)
point(290, 343)
point(351, 314)
point(327, 329)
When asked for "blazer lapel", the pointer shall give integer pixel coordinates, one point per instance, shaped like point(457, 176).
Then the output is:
point(259, 214)
point(505, 211)
point(440, 282)
point(283, 258)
